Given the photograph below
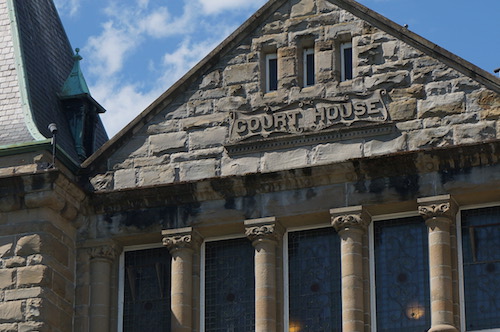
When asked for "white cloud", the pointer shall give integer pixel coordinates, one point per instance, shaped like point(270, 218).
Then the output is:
point(217, 6)
point(67, 7)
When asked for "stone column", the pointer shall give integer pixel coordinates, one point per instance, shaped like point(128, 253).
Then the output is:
point(439, 214)
point(265, 234)
point(351, 224)
point(181, 243)
point(101, 260)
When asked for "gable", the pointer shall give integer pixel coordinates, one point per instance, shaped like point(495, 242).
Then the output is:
point(222, 119)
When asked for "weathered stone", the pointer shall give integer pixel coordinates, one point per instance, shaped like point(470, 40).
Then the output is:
point(304, 7)
point(8, 327)
point(9, 203)
point(390, 49)
point(273, 27)
point(232, 104)
point(6, 246)
point(149, 176)
point(11, 311)
point(388, 80)
point(207, 138)
point(409, 125)
point(204, 121)
point(34, 327)
point(241, 73)
point(403, 109)
point(163, 127)
point(196, 170)
point(431, 122)
point(28, 245)
point(164, 143)
point(378, 147)
point(201, 107)
point(48, 199)
point(240, 165)
point(471, 133)
point(433, 137)
point(6, 278)
point(15, 261)
point(437, 88)
point(335, 152)
point(441, 105)
point(460, 118)
point(273, 161)
point(36, 275)
point(198, 154)
point(414, 91)
point(125, 178)
point(23, 293)
point(102, 181)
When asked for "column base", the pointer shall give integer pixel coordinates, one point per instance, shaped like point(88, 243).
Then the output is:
point(443, 328)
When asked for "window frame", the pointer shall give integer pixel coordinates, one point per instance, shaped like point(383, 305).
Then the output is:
point(268, 58)
point(306, 70)
point(371, 250)
point(203, 270)
point(461, 275)
point(121, 277)
point(343, 46)
point(286, 280)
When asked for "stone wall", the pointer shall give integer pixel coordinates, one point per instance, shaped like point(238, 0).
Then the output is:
point(429, 103)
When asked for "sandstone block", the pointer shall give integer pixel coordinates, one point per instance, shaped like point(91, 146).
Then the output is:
point(390, 49)
point(197, 170)
point(48, 199)
point(23, 293)
point(379, 147)
point(336, 152)
point(163, 127)
point(210, 137)
point(389, 79)
point(6, 246)
point(304, 7)
point(414, 91)
point(36, 275)
point(437, 88)
point(15, 261)
point(474, 133)
point(6, 278)
point(433, 137)
point(164, 143)
point(241, 73)
point(442, 105)
point(149, 176)
point(239, 166)
point(211, 80)
point(403, 109)
point(125, 178)
point(286, 159)
point(102, 181)
point(8, 327)
point(11, 311)
point(34, 327)
point(233, 103)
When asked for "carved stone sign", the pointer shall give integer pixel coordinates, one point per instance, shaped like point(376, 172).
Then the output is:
point(308, 116)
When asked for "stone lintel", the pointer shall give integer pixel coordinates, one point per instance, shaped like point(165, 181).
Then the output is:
point(103, 250)
point(442, 207)
point(180, 238)
point(350, 217)
point(260, 229)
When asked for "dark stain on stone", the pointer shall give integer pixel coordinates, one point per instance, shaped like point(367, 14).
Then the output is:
point(377, 186)
point(360, 184)
point(250, 207)
point(311, 193)
point(407, 186)
point(230, 204)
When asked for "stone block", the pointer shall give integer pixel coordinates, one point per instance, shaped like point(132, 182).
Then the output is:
point(198, 154)
point(204, 121)
point(390, 49)
point(428, 138)
point(336, 152)
point(48, 199)
point(414, 91)
point(379, 147)
point(475, 133)
point(211, 80)
point(36, 275)
point(388, 80)
point(286, 159)
point(23, 293)
point(403, 109)
point(197, 170)
point(240, 165)
point(8, 327)
point(200, 107)
point(149, 176)
point(303, 7)
point(441, 105)
point(241, 73)
point(15, 261)
point(125, 178)
point(6, 278)
point(232, 103)
point(9, 203)
point(210, 137)
point(164, 143)
point(437, 88)
point(6, 246)
point(11, 311)
point(34, 327)
point(163, 127)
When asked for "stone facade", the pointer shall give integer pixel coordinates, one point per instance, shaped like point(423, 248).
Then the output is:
point(217, 157)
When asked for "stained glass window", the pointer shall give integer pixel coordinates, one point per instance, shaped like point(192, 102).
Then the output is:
point(402, 275)
point(314, 279)
point(481, 266)
point(229, 286)
point(147, 290)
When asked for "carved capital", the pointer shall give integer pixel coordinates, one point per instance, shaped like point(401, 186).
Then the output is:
point(107, 251)
point(263, 229)
point(350, 218)
point(179, 239)
point(437, 207)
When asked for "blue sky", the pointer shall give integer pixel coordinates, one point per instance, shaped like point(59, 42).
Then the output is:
point(135, 49)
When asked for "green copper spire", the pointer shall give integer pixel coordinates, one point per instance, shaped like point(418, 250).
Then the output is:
point(75, 84)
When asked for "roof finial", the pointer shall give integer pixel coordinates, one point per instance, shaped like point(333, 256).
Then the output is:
point(77, 56)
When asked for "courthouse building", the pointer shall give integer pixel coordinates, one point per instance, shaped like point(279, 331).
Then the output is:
point(323, 169)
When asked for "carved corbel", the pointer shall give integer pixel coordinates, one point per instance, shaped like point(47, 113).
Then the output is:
point(179, 239)
point(350, 218)
point(106, 251)
point(264, 229)
point(439, 207)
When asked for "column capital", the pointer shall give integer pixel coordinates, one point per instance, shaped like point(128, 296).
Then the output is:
point(180, 238)
point(350, 217)
point(263, 229)
point(443, 206)
point(106, 251)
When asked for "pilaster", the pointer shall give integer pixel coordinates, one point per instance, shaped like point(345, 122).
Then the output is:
point(351, 224)
point(265, 233)
point(181, 243)
point(439, 213)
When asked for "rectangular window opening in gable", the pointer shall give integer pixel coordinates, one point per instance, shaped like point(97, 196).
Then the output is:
point(271, 72)
point(346, 64)
point(309, 74)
